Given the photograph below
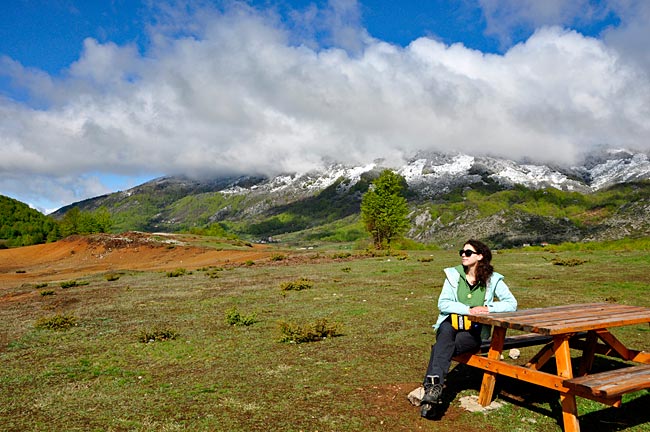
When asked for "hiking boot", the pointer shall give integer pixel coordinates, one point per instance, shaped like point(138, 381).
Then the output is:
point(432, 390)
point(432, 393)
point(431, 398)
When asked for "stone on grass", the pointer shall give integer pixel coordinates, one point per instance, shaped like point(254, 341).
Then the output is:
point(470, 403)
point(415, 397)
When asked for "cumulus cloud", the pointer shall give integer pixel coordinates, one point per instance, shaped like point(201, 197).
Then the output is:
point(236, 92)
point(508, 18)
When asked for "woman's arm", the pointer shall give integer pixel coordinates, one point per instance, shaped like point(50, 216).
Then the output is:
point(507, 302)
point(448, 302)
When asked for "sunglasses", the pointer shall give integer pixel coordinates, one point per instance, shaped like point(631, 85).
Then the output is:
point(467, 252)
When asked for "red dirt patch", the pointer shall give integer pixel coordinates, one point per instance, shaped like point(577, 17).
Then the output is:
point(78, 256)
point(388, 404)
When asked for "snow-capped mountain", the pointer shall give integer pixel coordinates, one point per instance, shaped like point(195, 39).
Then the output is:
point(433, 174)
point(257, 206)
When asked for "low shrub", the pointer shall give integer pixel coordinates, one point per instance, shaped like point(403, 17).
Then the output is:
point(56, 322)
point(213, 273)
point(41, 285)
point(176, 273)
point(47, 292)
point(341, 255)
point(300, 333)
point(297, 285)
point(235, 318)
point(112, 277)
point(73, 283)
point(569, 262)
point(278, 257)
point(157, 335)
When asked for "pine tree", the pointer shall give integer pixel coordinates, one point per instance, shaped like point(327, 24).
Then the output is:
point(384, 209)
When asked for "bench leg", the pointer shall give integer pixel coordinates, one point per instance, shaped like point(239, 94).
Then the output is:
point(588, 354)
point(564, 370)
point(540, 359)
point(489, 378)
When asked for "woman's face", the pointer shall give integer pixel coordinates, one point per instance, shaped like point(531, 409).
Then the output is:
point(471, 260)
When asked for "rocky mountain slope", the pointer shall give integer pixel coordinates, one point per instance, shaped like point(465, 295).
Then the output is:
point(260, 207)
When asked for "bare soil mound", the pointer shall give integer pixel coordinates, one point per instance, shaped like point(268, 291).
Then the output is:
point(78, 256)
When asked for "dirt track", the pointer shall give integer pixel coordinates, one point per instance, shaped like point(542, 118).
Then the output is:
point(79, 256)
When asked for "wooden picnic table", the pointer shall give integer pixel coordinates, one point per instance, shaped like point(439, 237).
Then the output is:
point(563, 324)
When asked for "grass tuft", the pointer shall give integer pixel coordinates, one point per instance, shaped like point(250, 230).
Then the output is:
point(57, 322)
point(568, 262)
point(297, 285)
point(157, 335)
point(235, 318)
point(176, 273)
point(72, 283)
point(111, 277)
point(301, 333)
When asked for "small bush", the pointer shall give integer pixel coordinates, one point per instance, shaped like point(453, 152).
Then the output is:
point(157, 335)
point(112, 277)
point(57, 322)
point(301, 333)
point(73, 283)
point(297, 285)
point(278, 257)
point(346, 269)
point(250, 263)
point(21, 271)
point(235, 318)
point(341, 255)
point(47, 292)
point(571, 262)
point(213, 273)
point(375, 253)
point(41, 285)
point(426, 259)
point(176, 273)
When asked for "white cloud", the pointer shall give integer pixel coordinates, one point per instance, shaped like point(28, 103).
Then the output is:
point(236, 93)
point(631, 37)
point(505, 18)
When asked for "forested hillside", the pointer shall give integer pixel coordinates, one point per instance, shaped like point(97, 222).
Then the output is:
point(21, 225)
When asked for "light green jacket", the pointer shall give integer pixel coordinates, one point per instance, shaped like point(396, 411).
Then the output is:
point(448, 302)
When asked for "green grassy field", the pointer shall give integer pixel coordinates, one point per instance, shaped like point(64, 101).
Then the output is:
point(213, 376)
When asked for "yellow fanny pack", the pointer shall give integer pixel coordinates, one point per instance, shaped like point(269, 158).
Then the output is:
point(460, 322)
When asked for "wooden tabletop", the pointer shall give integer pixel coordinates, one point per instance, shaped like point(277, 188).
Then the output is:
point(564, 319)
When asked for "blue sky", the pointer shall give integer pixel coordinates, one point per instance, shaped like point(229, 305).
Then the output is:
point(99, 96)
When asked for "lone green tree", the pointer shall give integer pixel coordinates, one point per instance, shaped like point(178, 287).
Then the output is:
point(384, 209)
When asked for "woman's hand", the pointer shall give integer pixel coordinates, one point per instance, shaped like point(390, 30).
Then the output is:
point(479, 310)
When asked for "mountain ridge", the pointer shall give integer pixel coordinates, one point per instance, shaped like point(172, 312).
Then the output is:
point(284, 205)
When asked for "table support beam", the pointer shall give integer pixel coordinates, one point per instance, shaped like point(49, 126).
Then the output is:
point(489, 378)
point(565, 371)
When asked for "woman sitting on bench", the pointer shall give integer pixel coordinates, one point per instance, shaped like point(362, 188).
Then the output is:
point(469, 289)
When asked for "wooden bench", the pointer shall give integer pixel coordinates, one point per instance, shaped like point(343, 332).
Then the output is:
point(521, 341)
point(611, 385)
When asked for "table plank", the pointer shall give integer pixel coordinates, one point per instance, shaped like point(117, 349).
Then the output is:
point(567, 318)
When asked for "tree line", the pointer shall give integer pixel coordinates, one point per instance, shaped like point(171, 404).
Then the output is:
point(384, 212)
point(21, 225)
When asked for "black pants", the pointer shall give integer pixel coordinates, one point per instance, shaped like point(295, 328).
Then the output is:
point(450, 342)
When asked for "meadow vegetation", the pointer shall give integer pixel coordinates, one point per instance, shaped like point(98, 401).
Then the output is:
point(148, 352)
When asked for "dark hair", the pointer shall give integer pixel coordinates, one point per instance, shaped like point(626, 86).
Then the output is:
point(484, 268)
